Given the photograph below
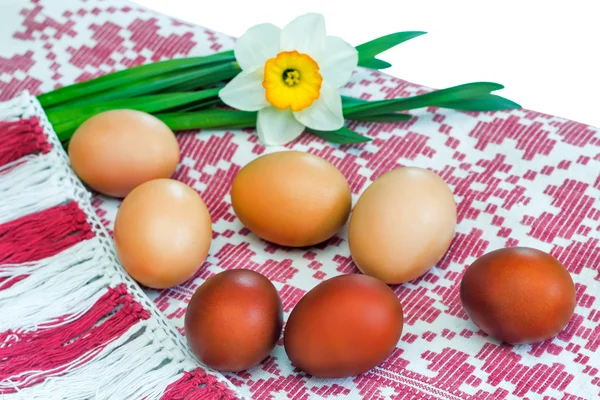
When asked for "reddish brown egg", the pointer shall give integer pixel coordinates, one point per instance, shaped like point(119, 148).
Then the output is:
point(518, 295)
point(344, 326)
point(234, 320)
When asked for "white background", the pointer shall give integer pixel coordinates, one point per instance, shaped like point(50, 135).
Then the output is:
point(544, 52)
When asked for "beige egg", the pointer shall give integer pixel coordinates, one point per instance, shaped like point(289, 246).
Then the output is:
point(117, 150)
point(402, 225)
point(163, 233)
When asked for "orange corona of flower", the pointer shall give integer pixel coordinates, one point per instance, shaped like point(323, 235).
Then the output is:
point(292, 79)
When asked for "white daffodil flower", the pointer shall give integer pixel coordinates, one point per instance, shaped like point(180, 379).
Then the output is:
point(291, 76)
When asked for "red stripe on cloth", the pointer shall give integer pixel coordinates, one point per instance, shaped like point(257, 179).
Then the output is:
point(43, 234)
point(197, 385)
point(53, 349)
point(21, 138)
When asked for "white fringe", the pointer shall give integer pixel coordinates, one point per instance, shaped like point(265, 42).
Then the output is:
point(25, 190)
point(67, 283)
point(13, 109)
point(110, 375)
point(34, 172)
point(136, 365)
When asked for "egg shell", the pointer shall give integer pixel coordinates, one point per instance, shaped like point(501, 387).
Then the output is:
point(518, 295)
point(117, 150)
point(291, 198)
point(234, 320)
point(162, 233)
point(402, 225)
point(344, 326)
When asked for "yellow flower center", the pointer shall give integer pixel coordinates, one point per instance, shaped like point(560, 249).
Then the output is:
point(292, 80)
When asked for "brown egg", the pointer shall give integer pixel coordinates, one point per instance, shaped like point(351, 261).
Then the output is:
point(344, 326)
point(291, 198)
point(518, 295)
point(234, 320)
point(402, 225)
point(162, 233)
point(115, 151)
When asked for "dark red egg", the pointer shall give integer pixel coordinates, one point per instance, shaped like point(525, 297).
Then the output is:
point(344, 326)
point(518, 295)
point(234, 320)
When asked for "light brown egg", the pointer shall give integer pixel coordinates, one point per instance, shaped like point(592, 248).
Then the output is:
point(115, 151)
point(291, 198)
point(402, 225)
point(234, 320)
point(344, 326)
point(162, 233)
point(518, 295)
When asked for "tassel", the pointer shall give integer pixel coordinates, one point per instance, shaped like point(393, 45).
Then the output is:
point(197, 385)
point(21, 138)
point(67, 283)
point(135, 366)
point(81, 340)
point(43, 234)
point(28, 188)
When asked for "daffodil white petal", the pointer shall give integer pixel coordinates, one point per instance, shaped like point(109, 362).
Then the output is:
point(277, 127)
point(246, 92)
point(306, 34)
point(325, 113)
point(257, 45)
point(338, 61)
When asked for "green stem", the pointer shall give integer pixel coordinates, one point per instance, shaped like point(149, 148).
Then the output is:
point(128, 76)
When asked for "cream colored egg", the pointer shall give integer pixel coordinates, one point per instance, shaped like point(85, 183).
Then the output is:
point(163, 233)
point(402, 225)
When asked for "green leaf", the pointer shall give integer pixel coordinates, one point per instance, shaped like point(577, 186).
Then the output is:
point(156, 84)
point(369, 50)
point(490, 102)
point(375, 63)
point(150, 104)
point(352, 101)
point(435, 98)
point(209, 119)
point(341, 136)
point(127, 76)
point(389, 117)
point(198, 105)
point(204, 81)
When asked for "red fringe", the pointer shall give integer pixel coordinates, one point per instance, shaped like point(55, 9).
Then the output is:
point(52, 348)
point(21, 138)
point(197, 385)
point(43, 234)
point(8, 281)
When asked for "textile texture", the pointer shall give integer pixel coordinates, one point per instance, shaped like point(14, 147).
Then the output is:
point(73, 324)
point(519, 178)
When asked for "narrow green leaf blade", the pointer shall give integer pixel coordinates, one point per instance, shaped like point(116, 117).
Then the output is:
point(352, 101)
point(156, 84)
point(341, 136)
point(369, 50)
point(490, 102)
point(209, 119)
point(127, 76)
point(149, 103)
point(375, 63)
point(67, 122)
point(434, 98)
point(388, 117)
